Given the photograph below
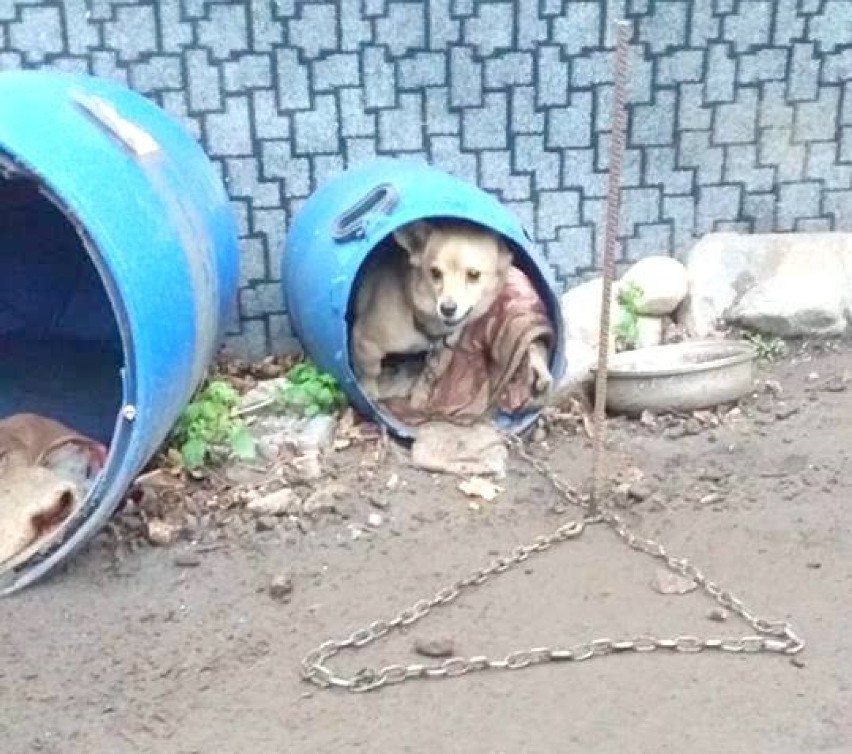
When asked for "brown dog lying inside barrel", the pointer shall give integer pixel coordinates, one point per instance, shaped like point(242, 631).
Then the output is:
point(46, 469)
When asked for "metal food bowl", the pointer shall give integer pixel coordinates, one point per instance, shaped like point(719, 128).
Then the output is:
point(679, 377)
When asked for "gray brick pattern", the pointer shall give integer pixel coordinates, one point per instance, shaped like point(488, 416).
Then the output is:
point(740, 110)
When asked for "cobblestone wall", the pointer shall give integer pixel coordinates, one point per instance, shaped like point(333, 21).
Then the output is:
point(741, 110)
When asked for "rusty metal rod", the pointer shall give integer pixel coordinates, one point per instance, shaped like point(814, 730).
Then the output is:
point(616, 157)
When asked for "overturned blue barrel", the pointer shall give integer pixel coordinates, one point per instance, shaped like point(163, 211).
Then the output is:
point(119, 266)
point(347, 219)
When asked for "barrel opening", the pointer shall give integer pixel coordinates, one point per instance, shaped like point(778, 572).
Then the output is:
point(61, 352)
point(407, 365)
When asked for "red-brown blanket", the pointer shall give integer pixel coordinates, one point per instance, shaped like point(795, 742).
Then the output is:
point(488, 368)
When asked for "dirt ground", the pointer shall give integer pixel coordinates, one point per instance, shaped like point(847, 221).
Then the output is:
point(179, 650)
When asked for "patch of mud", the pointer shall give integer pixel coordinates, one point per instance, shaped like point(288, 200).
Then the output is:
point(194, 647)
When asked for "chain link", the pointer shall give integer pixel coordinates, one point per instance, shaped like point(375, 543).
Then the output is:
point(776, 636)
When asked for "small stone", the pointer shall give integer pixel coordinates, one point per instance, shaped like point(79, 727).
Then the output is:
point(160, 532)
point(265, 523)
point(785, 411)
point(735, 413)
point(797, 662)
point(836, 384)
point(187, 560)
point(711, 499)
point(315, 434)
point(539, 434)
point(666, 582)
point(440, 647)
point(711, 474)
point(307, 468)
point(639, 491)
point(692, 426)
point(773, 387)
point(675, 432)
point(718, 614)
point(325, 500)
point(764, 404)
point(707, 418)
point(378, 502)
point(480, 487)
point(647, 419)
point(281, 587)
point(375, 520)
point(656, 504)
point(274, 504)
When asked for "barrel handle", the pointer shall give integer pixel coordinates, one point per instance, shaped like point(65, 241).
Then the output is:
point(130, 135)
point(351, 225)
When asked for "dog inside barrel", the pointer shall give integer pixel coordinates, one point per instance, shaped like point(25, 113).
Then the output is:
point(54, 321)
point(447, 326)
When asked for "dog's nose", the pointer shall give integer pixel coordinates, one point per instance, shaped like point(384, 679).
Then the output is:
point(448, 308)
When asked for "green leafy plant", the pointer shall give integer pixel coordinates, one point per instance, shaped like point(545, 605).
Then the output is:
point(627, 329)
point(309, 391)
point(207, 430)
point(768, 347)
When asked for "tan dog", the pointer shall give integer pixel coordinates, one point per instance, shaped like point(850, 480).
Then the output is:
point(450, 274)
point(44, 467)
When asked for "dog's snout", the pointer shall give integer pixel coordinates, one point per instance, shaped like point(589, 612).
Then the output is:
point(448, 308)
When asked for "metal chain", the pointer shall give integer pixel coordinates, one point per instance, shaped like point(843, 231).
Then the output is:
point(771, 635)
point(776, 636)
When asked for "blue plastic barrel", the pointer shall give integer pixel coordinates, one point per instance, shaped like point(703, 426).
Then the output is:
point(346, 219)
point(118, 271)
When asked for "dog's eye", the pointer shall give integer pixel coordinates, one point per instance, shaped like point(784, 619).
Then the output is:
point(436, 274)
point(473, 275)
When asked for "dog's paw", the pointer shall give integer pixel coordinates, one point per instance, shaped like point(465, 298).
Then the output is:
point(542, 379)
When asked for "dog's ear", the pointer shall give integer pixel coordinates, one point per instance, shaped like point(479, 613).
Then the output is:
point(412, 238)
point(504, 257)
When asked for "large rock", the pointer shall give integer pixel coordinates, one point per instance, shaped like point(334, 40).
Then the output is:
point(580, 359)
point(807, 290)
point(649, 332)
point(787, 284)
point(581, 312)
point(663, 281)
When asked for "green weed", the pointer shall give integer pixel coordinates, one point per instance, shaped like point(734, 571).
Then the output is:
point(207, 430)
point(768, 347)
point(627, 329)
point(309, 391)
